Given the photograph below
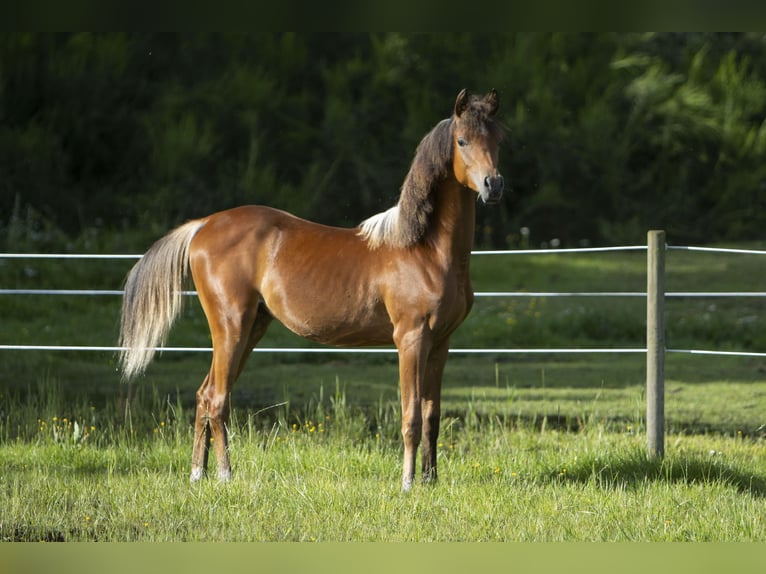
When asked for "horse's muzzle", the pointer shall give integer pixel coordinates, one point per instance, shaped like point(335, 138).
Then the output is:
point(493, 189)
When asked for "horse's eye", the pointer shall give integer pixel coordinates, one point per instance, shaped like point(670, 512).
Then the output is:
point(462, 142)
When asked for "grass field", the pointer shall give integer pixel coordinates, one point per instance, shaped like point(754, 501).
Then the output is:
point(533, 447)
point(332, 475)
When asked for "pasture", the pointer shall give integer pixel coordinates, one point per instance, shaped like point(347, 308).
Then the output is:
point(532, 448)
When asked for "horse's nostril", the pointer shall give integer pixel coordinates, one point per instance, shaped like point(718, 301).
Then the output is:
point(494, 184)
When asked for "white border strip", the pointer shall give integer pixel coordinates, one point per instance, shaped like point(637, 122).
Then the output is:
point(69, 256)
point(318, 350)
point(678, 294)
point(487, 252)
point(716, 353)
point(716, 250)
point(322, 350)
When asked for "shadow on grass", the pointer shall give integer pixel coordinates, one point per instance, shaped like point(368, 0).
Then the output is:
point(638, 469)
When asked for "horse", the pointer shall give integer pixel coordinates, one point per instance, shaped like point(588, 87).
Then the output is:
point(401, 277)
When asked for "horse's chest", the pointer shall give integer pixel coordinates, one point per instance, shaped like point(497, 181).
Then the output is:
point(452, 306)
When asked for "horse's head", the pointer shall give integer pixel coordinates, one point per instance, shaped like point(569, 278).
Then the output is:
point(475, 142)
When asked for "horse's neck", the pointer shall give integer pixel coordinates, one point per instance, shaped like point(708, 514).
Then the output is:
point(454, 223)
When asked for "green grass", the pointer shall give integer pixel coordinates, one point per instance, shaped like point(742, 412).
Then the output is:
point(536, 447)
point(337, 483)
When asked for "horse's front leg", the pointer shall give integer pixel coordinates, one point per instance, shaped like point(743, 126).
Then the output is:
point(431, 409)
point(412, 423)
point(412, 363)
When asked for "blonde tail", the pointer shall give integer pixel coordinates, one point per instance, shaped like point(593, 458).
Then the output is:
point(153, 298)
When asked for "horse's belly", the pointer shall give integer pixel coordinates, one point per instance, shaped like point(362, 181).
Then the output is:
point(329, 329)
point(331, 319)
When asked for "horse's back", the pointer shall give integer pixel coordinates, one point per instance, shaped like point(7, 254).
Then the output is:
point(237, 224)
point(322, 282)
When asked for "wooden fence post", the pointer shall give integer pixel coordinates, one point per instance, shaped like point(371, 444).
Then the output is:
point(655, 344)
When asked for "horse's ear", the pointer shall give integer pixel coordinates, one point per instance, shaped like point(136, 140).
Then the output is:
point(493, 99)
point(461, 103)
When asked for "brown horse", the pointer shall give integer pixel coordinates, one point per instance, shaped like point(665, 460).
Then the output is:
point(401, 277)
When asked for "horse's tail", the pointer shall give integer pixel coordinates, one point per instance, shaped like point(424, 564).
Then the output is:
point(153, 297)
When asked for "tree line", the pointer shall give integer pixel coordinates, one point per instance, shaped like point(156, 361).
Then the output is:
point(607, 134)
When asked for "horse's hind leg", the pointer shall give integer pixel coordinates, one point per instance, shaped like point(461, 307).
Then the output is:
point(201, 433)
point(211, 419)
point(234, 336)
point(261, 324)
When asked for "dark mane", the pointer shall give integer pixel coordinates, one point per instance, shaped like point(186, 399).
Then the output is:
point(431, 163)
point(407, 222)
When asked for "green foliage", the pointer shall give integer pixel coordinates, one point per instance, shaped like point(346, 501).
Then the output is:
point(608, 134)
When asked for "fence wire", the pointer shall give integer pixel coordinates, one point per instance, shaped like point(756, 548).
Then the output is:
point(329, 350)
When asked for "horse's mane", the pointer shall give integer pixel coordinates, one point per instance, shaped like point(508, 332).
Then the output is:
point(405, 224)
